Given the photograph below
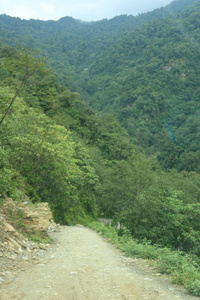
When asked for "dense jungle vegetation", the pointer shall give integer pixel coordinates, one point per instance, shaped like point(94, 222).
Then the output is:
point(109, 125)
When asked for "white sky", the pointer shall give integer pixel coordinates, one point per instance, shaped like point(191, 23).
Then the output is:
point(86, 10)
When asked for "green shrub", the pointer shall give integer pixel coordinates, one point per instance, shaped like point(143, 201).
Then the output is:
point(183, 268)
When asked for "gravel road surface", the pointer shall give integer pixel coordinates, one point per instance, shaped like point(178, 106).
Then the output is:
point(82, 265)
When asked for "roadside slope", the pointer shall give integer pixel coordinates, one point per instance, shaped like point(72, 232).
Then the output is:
point(81, 265)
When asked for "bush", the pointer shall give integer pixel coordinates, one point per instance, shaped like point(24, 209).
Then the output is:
point(183, 268)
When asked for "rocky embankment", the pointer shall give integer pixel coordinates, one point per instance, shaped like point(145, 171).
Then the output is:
point(21, 224)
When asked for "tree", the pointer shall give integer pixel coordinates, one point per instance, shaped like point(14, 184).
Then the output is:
point(24, 66)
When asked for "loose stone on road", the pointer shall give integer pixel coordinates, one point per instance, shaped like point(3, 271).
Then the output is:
point(82, 265)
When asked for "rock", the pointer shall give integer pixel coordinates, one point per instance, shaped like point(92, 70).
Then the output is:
point(15, 247)
point(25, 258)
point(54, 227)
point(1, 280)
point(35, 218)
point(157, 274)
point(28, 249)
point(8, 227)
point(7, 275)
point(73, 273)
point(44, 246)
point(13, 243)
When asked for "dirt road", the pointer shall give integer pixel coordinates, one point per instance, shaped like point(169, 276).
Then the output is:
point(82, 265)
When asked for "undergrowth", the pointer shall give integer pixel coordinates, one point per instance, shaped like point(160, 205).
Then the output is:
point(183, 268)
point(39, 239)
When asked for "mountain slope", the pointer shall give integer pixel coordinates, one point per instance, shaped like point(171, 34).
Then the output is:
point(144, 70)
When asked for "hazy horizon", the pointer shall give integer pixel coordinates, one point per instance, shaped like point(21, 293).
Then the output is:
point(85, 10)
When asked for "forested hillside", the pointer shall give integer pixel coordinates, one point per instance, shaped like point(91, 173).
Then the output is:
point(144, 70)
point(93, 129)
point(55, 148)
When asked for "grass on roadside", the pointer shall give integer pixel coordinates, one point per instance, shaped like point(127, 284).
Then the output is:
point(182, 267)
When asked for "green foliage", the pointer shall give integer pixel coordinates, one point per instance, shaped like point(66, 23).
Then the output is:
point(51, 166)
point(24, 66)
point(106, 231)
point(147, 203)
point(45, 154)
point(5, 174)
point(52, 161)
point(39, 239)
point(56, 148)
point(180, 266)
point(11, 182)
point(143, 69)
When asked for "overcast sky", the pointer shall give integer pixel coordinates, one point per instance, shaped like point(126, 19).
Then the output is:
point(86, 10)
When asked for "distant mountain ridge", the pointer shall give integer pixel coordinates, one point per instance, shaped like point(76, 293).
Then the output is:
point(144, 69)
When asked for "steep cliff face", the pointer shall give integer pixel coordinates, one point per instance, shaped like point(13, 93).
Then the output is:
point(23, 233)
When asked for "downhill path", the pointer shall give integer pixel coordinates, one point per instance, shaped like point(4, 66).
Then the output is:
point(82, 265)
